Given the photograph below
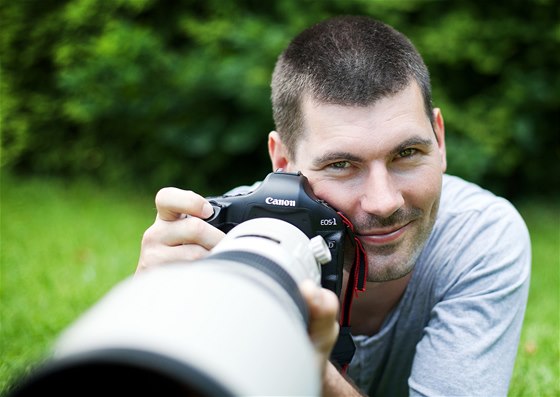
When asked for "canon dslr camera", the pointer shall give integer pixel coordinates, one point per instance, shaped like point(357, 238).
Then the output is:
point(288, 197)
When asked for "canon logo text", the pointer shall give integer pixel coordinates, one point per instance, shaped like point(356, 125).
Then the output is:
point(281, 202)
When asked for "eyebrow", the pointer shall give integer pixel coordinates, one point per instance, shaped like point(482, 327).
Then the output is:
point(412, 141)
point(347, 156)
point(335, 156)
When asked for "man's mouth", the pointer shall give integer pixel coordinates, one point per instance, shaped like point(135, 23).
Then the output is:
point(385, 235)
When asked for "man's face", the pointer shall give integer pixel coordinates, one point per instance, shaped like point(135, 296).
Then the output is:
point(382, 166)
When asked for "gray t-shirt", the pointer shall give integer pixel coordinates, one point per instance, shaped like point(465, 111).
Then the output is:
point(456, 329)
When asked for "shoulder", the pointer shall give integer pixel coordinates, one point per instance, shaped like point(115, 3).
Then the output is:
point(477, 235)
point(475, 209)
point(472, 280)
point(460, 196)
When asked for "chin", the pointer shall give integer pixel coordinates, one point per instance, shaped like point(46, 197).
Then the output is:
point(386, 268)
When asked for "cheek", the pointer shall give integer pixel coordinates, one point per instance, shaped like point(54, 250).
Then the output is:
point(423, 192)
point(338, 195)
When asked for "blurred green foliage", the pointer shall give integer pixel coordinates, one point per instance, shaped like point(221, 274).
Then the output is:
point(177, 92)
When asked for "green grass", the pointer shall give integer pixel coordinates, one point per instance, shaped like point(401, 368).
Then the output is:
point(64, 245)
point(62, 248)
point(537, 368)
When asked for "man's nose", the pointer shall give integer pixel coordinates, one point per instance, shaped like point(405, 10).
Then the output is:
point(381, 194)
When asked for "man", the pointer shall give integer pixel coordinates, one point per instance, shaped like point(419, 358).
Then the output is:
point(448, 263)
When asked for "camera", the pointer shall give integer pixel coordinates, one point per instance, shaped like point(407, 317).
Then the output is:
point(288, 196)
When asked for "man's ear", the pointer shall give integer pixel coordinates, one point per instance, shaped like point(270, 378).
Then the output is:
point(439, 129)
point(277, 152)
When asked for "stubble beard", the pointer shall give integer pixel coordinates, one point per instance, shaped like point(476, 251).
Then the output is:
point(394, 261)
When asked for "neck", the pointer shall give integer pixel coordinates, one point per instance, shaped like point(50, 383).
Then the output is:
point(371, 307)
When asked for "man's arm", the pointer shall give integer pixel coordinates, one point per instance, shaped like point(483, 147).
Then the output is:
point(336, 385)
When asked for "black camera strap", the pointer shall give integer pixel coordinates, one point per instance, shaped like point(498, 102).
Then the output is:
point(345, 348)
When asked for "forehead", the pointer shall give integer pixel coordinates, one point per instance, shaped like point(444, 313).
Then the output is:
point(387, 121)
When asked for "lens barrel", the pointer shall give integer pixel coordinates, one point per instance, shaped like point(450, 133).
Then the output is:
point(233, 323)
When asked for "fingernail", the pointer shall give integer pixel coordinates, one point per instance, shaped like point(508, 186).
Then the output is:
point(207, 210)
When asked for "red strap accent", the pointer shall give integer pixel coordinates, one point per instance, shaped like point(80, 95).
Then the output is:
point(358, 274)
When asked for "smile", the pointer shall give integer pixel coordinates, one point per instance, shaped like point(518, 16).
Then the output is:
point(383, 237)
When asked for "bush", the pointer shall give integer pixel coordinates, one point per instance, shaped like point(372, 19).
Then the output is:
point(178, 92)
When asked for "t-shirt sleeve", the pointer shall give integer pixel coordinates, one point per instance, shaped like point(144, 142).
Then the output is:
point(470, 342)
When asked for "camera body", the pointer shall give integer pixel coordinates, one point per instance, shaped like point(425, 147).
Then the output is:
point(288, 197)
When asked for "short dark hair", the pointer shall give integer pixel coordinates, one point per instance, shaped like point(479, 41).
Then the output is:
point(346, 60)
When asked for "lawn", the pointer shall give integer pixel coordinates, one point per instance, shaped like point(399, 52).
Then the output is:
point(62, 247)
point(537, 369)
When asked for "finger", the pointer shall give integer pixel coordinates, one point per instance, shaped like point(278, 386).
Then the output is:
point(171, 203)
point(189, 230)
point(323, 304)
point(323, 309)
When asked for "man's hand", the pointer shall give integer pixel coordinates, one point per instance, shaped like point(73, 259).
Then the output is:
point(179, 231)
point(323, 330)
point(323, 325)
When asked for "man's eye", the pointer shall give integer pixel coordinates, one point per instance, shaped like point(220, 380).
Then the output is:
point(339, 165)
point(407, 152)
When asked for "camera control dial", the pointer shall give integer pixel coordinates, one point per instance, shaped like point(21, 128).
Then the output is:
point(320, 250)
